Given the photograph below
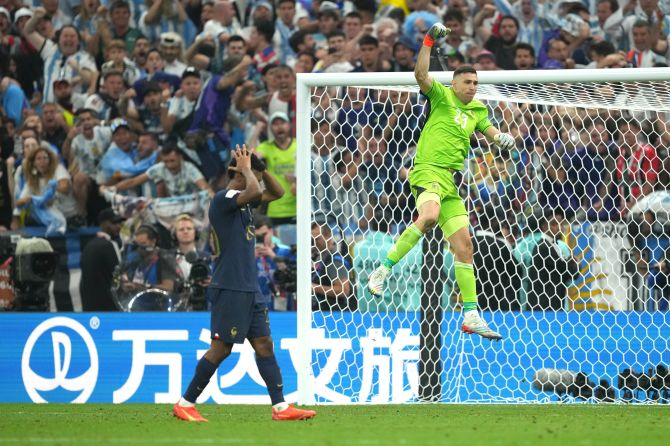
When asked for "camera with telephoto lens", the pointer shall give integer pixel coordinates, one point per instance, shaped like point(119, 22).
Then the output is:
point(199, 273)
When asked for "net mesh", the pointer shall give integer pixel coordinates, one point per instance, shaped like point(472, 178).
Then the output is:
point(569, 235)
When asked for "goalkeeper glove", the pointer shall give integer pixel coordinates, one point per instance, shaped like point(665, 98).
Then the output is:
point(504, 140)
point(437, 31)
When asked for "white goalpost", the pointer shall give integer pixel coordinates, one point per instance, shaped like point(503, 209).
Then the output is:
point(570, 231)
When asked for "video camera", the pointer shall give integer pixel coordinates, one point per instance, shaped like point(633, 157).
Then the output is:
point(200, 272)
point(33, 268)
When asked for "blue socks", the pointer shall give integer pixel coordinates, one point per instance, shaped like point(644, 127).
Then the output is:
point(269, 370)
point(203, 372)
point(267, 367)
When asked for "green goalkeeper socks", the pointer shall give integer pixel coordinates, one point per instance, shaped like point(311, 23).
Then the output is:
point(465, 278)
point(405, 243)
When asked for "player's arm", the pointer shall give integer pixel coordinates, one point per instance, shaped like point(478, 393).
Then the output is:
point(273, 190)
point(252, 192)
point(503, 140)
point(424, 80)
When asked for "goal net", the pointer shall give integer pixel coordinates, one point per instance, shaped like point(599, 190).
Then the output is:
point(570, 231)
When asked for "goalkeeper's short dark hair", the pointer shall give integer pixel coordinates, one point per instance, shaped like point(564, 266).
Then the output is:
point(464, 69)
point(257, 164)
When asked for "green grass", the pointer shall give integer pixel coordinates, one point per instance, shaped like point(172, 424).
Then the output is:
point(458, 425)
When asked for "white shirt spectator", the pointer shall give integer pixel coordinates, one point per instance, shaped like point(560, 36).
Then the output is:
point(182, 183)
point(175, 67)
point(58, 66)
point(180, 107)
point(88, 152)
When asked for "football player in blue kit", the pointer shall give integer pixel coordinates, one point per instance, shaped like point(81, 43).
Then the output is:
point(239, 311)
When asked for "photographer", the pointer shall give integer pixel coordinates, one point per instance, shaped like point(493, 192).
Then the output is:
point(192, 266)
point(146, 266)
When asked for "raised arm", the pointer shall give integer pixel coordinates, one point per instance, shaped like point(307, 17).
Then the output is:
point(235, 75)
point(424, 80)
point(29, 31)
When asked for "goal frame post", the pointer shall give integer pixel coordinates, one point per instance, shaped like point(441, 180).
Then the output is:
point(304, 84)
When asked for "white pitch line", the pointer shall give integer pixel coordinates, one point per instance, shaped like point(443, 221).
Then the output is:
point(119, 440)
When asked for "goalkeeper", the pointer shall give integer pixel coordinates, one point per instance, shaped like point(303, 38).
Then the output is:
point(453, 116)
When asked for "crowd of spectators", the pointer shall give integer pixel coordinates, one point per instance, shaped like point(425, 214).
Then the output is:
point(146, 99)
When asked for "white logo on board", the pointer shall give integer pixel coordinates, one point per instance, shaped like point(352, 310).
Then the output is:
point(62, 356)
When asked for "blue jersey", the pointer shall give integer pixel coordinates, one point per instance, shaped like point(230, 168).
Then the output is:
point(235, 240)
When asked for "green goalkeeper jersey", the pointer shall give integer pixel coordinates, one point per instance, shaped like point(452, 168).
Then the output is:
point(445, 137)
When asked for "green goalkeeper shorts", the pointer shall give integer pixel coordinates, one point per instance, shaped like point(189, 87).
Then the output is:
point(427, 178)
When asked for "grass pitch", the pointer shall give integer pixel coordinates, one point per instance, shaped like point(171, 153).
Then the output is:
point(416, 424)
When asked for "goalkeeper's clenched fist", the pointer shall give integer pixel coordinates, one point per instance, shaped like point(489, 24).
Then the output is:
point(504, 140)
point(437, 31)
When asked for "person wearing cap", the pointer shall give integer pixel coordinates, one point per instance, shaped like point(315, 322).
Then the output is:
point(63, 59)
point(121, 160)
point(403, 55)
point(177, 113)
point(168, 16)
point(99, 258)
point(146, 117)
point(454, 60)
point(441, 151)
point(279, 154)
point(485, 61)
